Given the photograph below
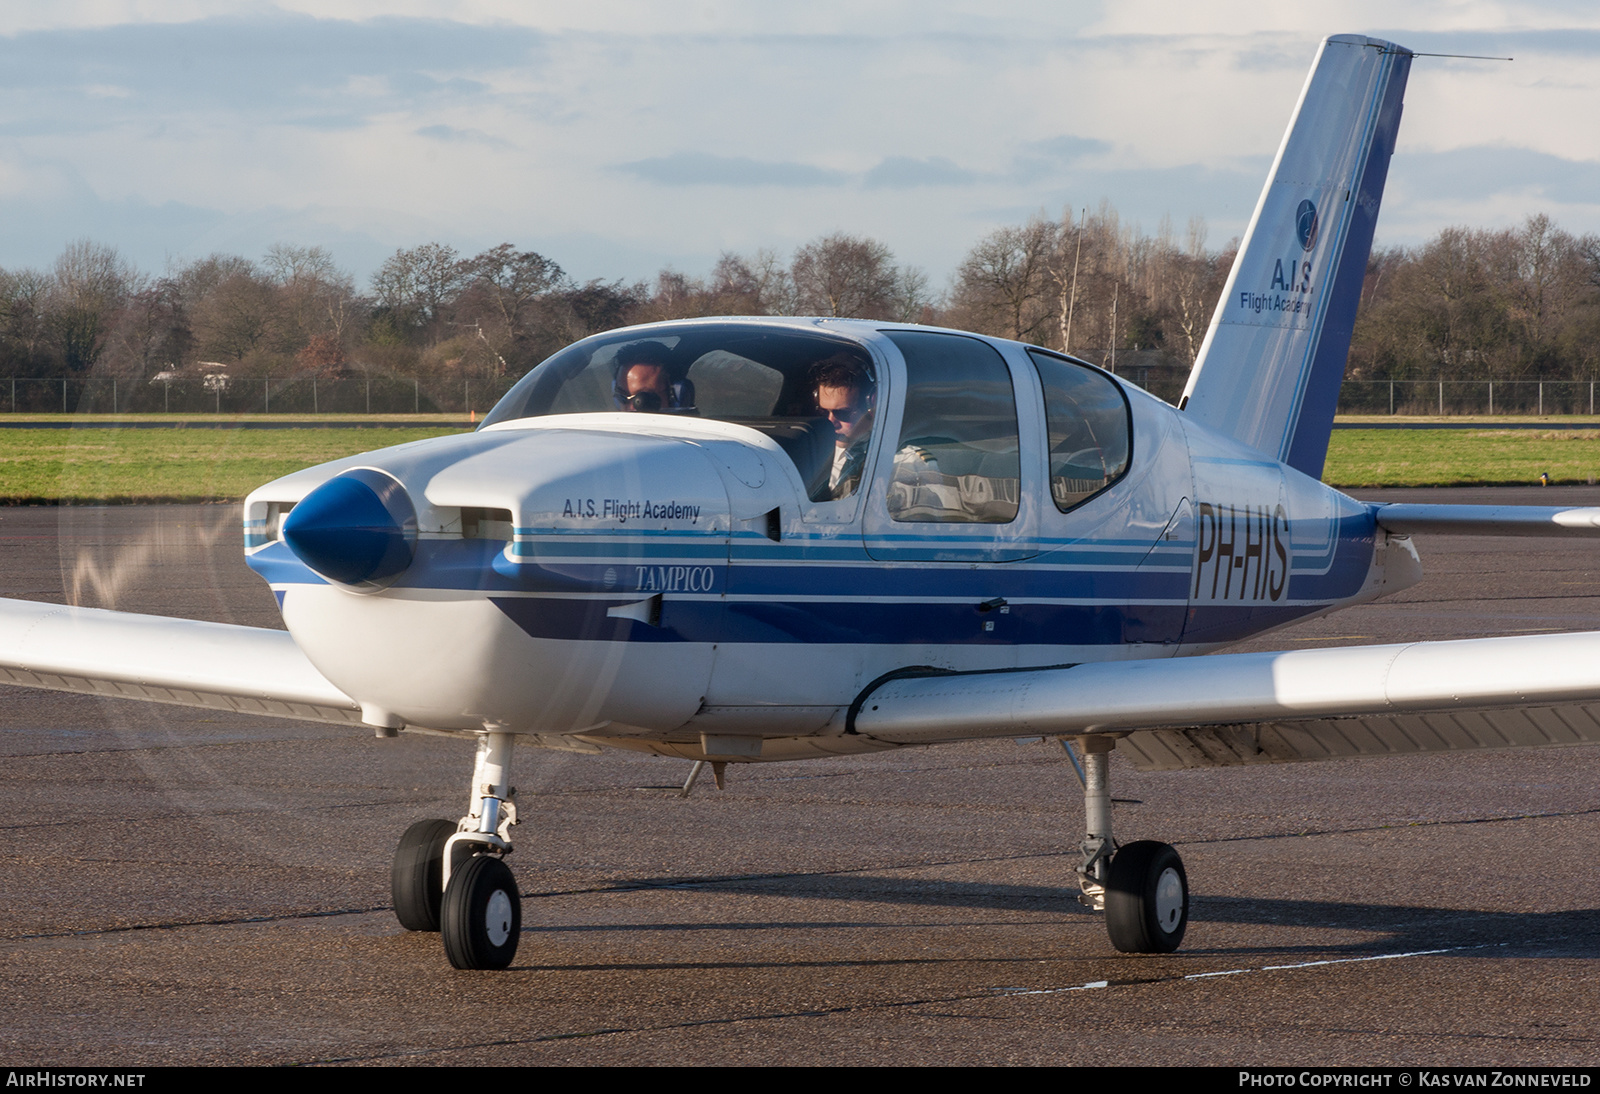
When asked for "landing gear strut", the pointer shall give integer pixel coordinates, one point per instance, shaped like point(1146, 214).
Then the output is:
point(1140, 886)
point(449, 877)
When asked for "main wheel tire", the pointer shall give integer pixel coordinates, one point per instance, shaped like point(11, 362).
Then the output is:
point(416, 880)
point(482, 915)
point(1147, 898)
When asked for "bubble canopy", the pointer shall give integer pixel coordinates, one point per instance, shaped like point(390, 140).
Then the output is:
point(813, 394)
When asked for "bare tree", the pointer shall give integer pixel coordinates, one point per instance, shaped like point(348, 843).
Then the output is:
point(848, 276)
point(232, 309)
point(151, 333)
point(774, 283)
point(91, 282)
point(600, 306)
point(1189, 290)
point(1589, 251)
point(316, 299)
point(504, 287)
point(24, 318)
point(912, 301)
point(1551, 280)
point(751, 286)
point(289, 265)
point(199, 279)
point(414, 286)
point(1003, 286)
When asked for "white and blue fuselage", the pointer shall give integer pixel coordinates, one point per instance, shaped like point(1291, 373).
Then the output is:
point(667, 581)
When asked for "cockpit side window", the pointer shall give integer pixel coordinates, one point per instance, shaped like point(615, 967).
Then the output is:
point(814, 395)
point(1090, 429)
point(957, 460)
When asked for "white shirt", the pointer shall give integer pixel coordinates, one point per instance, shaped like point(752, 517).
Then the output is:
point(840, 451)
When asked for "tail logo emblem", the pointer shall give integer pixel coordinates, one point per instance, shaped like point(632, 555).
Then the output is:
point(1305, 225)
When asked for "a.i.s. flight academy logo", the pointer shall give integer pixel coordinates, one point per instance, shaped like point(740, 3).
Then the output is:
point(1289, 291)
point(1305, 225)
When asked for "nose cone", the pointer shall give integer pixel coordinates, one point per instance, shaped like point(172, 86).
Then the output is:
point(358, 528)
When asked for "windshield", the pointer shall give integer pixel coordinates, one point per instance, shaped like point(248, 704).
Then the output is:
point(812, 394)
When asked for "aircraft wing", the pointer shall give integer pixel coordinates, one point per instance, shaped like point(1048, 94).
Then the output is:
point(121, 655)
point(1223, 709)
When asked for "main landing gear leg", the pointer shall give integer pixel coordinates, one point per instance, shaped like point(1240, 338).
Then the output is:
point(1140, 886)
point(449, 877)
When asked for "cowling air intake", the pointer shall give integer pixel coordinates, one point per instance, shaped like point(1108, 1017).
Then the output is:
point(359, 529)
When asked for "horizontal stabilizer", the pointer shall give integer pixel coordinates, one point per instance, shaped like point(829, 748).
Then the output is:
point(121, 655)
point(1313, 689)
point(1489, 520)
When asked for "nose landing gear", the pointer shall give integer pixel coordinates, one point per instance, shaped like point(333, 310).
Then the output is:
point(1141, 887)
point(482, 915)
point(450, 877)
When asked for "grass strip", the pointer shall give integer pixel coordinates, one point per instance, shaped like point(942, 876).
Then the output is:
point(1461, 457)
point(1485, 420)
point(100, 466)
point(79, 421)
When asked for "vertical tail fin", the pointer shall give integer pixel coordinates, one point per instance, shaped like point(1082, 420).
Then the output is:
point(1269, 371)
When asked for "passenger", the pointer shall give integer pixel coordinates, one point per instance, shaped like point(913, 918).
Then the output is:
point(643, 379)
point(843, 391)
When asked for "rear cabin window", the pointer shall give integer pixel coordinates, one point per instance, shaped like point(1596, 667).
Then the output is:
point(1090, 431)
point(957, 460)
point(815, 396)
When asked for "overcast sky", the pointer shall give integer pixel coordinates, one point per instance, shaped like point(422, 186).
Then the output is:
point(620, 136)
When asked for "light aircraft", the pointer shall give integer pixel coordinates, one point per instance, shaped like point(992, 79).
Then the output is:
point(741, 540)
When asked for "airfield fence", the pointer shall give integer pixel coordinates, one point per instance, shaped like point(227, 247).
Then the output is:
point(1429, 398)
point(395, 395)
point(1449, 397)
point(240, 395)
point(1422, 398)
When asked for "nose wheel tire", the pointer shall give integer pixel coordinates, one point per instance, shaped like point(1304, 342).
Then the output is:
point(481, 917)
point(1147, 898)
point(416, 880)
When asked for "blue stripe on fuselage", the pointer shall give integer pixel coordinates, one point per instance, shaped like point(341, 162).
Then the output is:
point(1347, 570)
point(837, 622)
point(635, 567)
point(1086, 594)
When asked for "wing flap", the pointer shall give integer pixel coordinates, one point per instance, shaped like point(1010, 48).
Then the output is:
point(122, 655)
point(1340, 738)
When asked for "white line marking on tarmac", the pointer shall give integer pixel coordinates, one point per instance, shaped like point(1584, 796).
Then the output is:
point(1241, 972)
point(1354, 960)
point(1052, 991)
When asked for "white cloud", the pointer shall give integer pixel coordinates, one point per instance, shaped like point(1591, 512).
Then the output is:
point(645, 134)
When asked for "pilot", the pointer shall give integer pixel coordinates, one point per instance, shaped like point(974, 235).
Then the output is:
point(843, 393)
point(644, 380)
